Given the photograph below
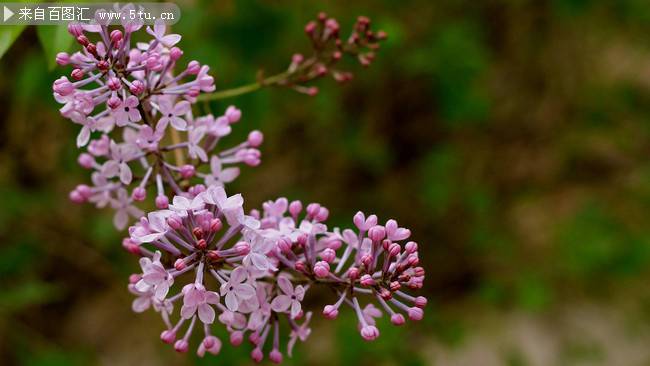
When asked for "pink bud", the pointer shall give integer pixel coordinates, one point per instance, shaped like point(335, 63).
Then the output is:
point(181, 346)
point(175, 53)
point(310, 27)
point(353, 273)
point(257, 355)
point(411, 247)
point(233, 114)
point(297, 58)
point(394, 250)
point(201, 244)
point(300, 266)
point(275, 356)
point(83, 40)
point(162, 202)
point(376, 233)
point(193, 67)
point(413, 260)
point(385, 294)
point(330, 312)
point(62, 58)
point(321, 269)
point(312, 91)
point(284, 244)
point(332, 25)
point(168, 336)
point(114, 83)
point(236, 338)
point(187, 171)
point(242, 248)
point(84, 190)
point(366, 280)
point(313, 209)
point(113, 102)
point(75, 29)
point(328, 255)
point(213, 255)
point(134, 278)
point(369, 332)
point(254, 338)
point(137, 87)
point(395, 285)
point(86, 160)
point(215, 225)
point(255, 138)
point(397, 319)
point(139, 194)
point(366, 259)
point(116, 36)
point(179, 264)
point(77, 74)
point(322, 214)
point(295, 207)
point(334, 244)
point(415, 313)
point(175, 222)
point(103, 65)
point(359, 220)
point(420, 301)
point(418, 271)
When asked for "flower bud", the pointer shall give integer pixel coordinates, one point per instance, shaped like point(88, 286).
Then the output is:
point(75, 29)
point(322, 214)
point(236, 338)
point(139, 194)
point(175, 222)
point(376, 233)
point(328, 255)
point(213, 255)
point(175, 53)
point(162, 202)
point(300, 266)
point(353, 273)
point(369, 332)
point(86, 160)
point(83, 40)
point(103, 65)
point(62, 58)
point(397, 319)
point(233, 114)
point(257, 355)
point(187, 171)
point(411, 247)
point(116, 36)
point(366, 260)
point(137, 87)
point(321, 269)
point(181, 346)
point(114, 84)
point(313, 209)
point(395, 285)
point(297, 58)
point(366, 280)
point(394, 250)
point(168, 336)
point(179, 264)
point(385, 294)
point(113, 102)
point(201, 244)
point(420, 301)
point(295, 207)
point(330, 312)
point(193, 67)
point(255, 138)
point(284, 244)
point(242, 248)
point(215, 225)
point(77, 74)
point(275, 356)
point(415, 313)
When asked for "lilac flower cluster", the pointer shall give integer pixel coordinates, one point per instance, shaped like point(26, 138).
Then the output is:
point(203, 259)
point(138, 109)
point(260, 267)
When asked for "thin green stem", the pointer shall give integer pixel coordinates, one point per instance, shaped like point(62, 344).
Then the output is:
point(244, 89)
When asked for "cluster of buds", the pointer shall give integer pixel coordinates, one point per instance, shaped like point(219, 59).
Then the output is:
point(328, 49)
point(201, 254)
point(147, 140)
point(251, 272)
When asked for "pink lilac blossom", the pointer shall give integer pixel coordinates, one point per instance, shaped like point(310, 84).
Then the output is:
point(134, 102)
point(203, 260)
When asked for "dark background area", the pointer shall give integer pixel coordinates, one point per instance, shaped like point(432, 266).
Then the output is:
point(511, 136)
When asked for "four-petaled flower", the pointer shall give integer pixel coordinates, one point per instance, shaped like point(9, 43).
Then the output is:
point(197, 299)
point(235, 291)
point(290, 298)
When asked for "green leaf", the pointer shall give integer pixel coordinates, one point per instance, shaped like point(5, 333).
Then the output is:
point(54, 39)
point(8, 35)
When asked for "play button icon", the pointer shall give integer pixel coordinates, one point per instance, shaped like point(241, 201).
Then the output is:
point(7, 13)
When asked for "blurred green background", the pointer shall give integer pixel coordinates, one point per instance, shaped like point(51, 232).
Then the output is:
point(511, 136)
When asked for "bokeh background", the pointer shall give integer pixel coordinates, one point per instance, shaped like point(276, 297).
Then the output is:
point(511, 136)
